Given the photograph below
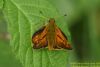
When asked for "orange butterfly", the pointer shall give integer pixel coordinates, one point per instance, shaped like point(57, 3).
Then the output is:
point(51, 36)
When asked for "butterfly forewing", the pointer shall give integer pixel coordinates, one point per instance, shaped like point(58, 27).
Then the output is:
point(39, 38)
point(61, 39)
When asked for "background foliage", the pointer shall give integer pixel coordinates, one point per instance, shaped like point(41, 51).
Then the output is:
point(83, 19)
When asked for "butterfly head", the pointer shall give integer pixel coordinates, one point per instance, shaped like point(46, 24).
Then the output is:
point(51, 20)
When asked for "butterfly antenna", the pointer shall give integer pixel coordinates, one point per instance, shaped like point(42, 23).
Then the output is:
point(43, 16)
point(61, 16)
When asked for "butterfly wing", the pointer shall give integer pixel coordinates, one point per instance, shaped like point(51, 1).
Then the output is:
point(61, 40)
point(39, 38)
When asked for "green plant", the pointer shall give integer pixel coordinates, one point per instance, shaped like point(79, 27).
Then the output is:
point(24, 18)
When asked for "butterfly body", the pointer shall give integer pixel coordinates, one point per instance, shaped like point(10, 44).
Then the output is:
point(50, 36)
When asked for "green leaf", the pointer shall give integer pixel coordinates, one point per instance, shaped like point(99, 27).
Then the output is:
point(1, 4)
point(24, 19)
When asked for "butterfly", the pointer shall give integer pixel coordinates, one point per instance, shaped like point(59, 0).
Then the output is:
point(50, 36)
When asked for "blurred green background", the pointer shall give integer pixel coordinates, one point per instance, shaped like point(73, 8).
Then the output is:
point(83, 18)
point(7, 58)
